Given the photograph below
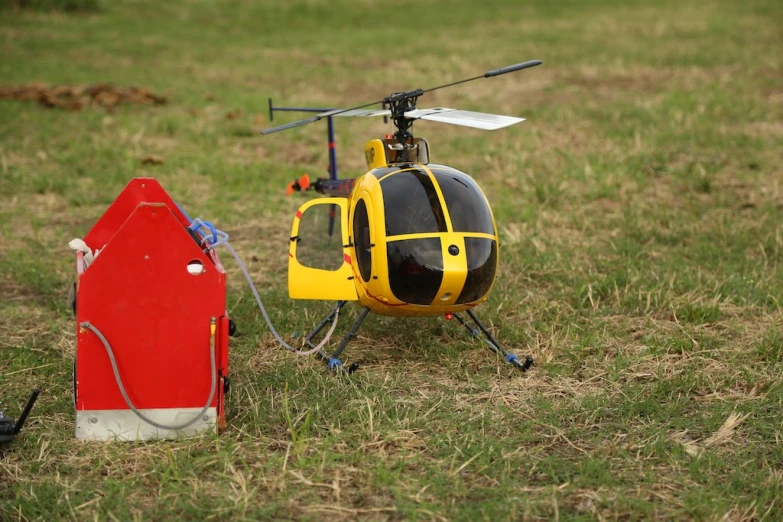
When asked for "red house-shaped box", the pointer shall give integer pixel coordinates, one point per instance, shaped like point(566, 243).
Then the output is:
point(145, 293)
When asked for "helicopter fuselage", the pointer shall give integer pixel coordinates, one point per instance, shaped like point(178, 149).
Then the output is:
point(418, 240)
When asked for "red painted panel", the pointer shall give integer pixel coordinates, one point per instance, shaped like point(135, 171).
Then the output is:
point(155, 314)
point(139, 190)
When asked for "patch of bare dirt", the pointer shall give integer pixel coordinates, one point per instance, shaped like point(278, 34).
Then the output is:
point(78, 97)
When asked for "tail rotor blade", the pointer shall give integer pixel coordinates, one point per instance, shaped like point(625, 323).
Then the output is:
point(296, 185)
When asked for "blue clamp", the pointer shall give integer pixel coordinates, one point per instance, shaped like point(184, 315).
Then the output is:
point(197, 224)
point(512, 359)
point(333, 363)
point(218, 237)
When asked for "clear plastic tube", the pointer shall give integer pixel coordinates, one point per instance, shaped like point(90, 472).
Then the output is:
point(269, 321)
point(221, 238)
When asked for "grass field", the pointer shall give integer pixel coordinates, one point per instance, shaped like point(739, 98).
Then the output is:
point(640, 209)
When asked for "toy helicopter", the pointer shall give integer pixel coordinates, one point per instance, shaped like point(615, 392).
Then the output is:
point(418, 239)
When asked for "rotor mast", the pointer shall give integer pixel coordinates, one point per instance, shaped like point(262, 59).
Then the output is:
point(399, 103)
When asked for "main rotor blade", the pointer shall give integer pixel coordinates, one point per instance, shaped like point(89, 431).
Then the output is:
point(414, 94)
point(512, 68)
point(290, 125)
point(476, 120)
point(316, 118)
point(493, 72)
point(337, 112)
point(355, 113)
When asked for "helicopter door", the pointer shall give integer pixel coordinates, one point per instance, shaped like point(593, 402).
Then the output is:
point(310, 275)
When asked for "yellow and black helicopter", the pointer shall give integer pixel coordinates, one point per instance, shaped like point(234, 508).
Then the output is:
point(418, 239)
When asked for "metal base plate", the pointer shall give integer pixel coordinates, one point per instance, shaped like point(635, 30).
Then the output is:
point(108, 425)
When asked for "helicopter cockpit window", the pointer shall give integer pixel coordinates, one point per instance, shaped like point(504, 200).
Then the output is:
point(467, 206)
point(411, 204)
point(315, 248)
point(361, 240)
point(415, 269)
point(482, 257)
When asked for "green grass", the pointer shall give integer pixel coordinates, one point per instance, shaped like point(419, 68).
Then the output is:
point(641, 216)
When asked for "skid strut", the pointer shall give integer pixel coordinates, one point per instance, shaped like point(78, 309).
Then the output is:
point(333, 362)
point(493, 344)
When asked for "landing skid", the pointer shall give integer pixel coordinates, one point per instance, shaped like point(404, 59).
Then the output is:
point(493, 344)
point(334, 363)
